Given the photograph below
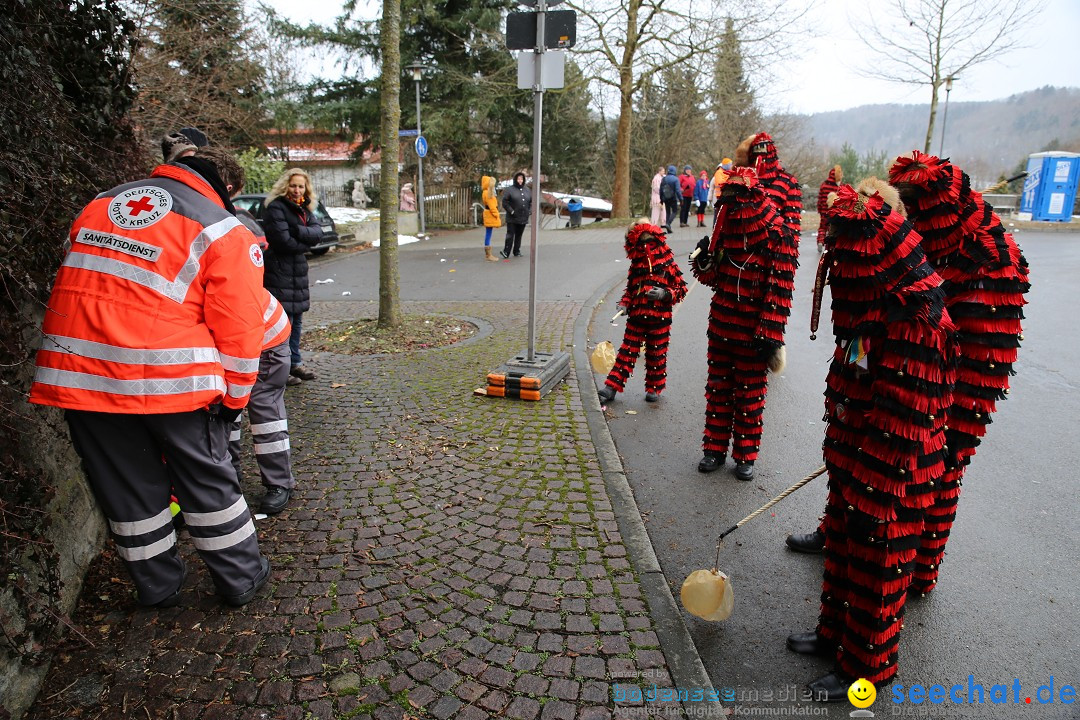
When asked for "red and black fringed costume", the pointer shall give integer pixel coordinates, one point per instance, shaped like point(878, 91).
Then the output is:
point(648, 312)
point(986, 277)
point(758, 152)
point(750, 263)
point(888, 388)
point(831, 184)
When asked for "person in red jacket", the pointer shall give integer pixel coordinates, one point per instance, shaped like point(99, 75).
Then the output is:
point(750, 263)
point(151, 345)
point(686, 195)
point(653, 287)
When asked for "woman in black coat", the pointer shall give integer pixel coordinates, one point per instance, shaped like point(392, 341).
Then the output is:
point(291, 230)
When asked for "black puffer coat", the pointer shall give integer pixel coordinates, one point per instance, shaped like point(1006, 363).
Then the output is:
point(290, 231)
point(517, 201)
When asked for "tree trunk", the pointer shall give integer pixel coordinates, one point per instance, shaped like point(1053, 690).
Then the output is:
point(620, 207)
point(933, 118)
point(390, 106)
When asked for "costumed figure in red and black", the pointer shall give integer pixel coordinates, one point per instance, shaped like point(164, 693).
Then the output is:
point(831, 184)
point(750, 263)
point(654, 286)
point(986, 278)
point(889, 385)
point(759, 152)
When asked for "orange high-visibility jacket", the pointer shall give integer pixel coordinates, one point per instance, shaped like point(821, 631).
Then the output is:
point(276, 323)
point(158, 306)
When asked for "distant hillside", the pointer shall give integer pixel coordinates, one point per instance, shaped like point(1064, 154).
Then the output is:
point(984, 138)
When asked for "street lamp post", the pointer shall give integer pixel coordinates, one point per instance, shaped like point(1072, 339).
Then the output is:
point(417, 69)
point(945, 116)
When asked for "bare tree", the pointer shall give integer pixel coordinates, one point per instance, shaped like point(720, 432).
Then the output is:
point(932, 42)
point(390, 106)
point(197, 65)
point(628, 44)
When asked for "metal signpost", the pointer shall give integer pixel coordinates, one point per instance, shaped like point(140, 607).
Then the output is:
point(421, 143)
point(531, 375)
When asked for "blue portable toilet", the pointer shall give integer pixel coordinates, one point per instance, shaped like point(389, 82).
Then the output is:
point(1050, 186)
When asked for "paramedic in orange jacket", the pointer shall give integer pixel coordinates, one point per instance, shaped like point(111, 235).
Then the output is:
point(151, 345)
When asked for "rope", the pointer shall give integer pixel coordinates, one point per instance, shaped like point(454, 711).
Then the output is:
point(763, 508)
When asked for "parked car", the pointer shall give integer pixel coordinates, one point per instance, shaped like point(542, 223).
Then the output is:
point(254, 204)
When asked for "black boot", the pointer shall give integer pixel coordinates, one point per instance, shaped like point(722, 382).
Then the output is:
point(606, 394)
point(711, 461)
point(809, 643)
point(745, 470)
point(811, 542)
point(831, 688)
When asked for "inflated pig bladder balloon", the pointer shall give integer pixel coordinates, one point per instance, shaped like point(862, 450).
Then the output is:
point(707, 594)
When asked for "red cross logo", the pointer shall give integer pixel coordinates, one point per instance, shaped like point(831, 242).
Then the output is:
point(256, 255)
point(142, 205)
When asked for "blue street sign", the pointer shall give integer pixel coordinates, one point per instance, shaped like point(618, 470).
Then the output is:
point(421, 146)
point(407, 133)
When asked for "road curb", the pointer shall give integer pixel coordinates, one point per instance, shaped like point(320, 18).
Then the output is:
point(687, 670)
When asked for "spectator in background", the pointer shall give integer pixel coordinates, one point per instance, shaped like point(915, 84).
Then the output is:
point(407, 202)
point(291, 230)
point(701, 197)
point(517, 202)
point(492, 219)
point(655, 204)
point(718, 179)
point(669, 195)
point(686, 193)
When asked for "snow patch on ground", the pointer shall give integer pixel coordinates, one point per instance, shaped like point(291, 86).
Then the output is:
point(352, 215)
point(401, 240)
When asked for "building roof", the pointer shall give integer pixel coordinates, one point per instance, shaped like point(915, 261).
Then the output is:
point(307, 146)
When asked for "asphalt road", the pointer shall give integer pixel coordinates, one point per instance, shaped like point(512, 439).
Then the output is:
point(1008, 604)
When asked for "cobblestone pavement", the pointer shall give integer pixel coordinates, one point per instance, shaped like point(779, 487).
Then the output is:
point(444, 556)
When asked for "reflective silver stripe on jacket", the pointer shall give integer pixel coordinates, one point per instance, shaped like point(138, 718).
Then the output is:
point(218, 517)
point(239, 391)
point(275, 329)
point(272, 447)
point(175, 290)
point(271, 308)
point(145, 386)
point(141, 527)
point(145, 552)
point(239, 364)
point(220, 542)
point(129, 356)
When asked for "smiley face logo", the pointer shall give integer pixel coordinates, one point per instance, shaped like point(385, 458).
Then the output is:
point(862, 693)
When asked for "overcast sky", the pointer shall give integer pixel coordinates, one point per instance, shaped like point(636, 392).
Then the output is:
point(822, 79)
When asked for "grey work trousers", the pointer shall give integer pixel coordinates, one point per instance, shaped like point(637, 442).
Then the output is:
point(132, 461)
point(269, 422)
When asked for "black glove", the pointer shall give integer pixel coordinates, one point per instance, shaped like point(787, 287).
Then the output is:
point(227, 414)
point(657, 294)
point(703, 245)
